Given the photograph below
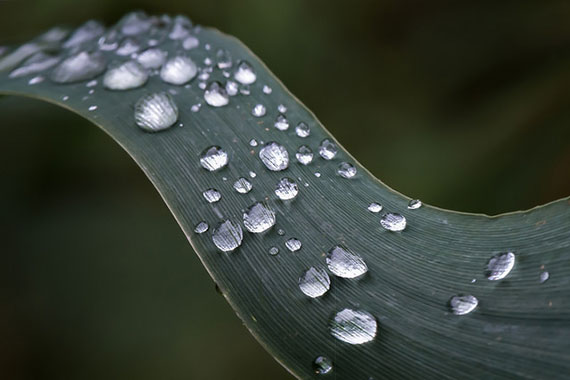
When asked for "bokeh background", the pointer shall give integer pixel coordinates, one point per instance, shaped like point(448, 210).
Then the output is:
point(465, 105)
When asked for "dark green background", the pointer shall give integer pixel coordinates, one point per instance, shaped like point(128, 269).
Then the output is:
point(465, 105)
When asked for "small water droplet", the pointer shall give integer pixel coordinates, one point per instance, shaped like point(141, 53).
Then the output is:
point(463, 304)
point(273, 251)
point(286, 189)
point(36, 80)
point(322, 365)
point(213, 158)
point(135, 23)
point(86, 32)
point(156, 112)
point(178, 70)
point(212, 195)
point(128, 47)
point(201, 227)
point(281, 232)
point(281, 108)
point(79, 67)
point(180, 28)
point(314, 282)
point(346, 170)
point(374, 207)
point(35, 64)
point(109, 41)
point(190, 42)
point(91, 83)
point(227, 236)
point(252, 174)
point(92, 108)
point(215, 95)
point(223, 59)
point(196, 107)
point(393, 222)
point(125, 76)
point(267, 90)
point(544, 276)
point(274, 156)
point(353, 326)
point(500, 265)
point(152, 58)
point(258, 110)
point(242, 185)
point(244, 89)
point(258, 218)
point(302, 130)
point(232, 88)
point(304, 155)
point(281, 123)
point(328, 149)
point(293, 244)
point(253, 142)
point(244, 73)
point(344, 263)
point(414, 204)
point(317, 174)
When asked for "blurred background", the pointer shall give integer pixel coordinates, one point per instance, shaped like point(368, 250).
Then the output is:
point(465, 105)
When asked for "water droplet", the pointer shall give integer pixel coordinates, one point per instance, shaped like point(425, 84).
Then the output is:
point(156, 112)
point(128, 47)
point(302, 130)
point(414, 204)
point(281, 123)
point(461, 305)
point(201, 227)
point(244, 89)
point(215, 95)
point(109, 41)
point(244, 73)
point(544, 276)
point(152, 58)
point(346, 170)
point(125, 76)
point(253, 142)
point(273, 251)
point(178, 70)
point(196, 107)
point(317, 174)
point(227, 236)
point(212, 195)
point(374, 207)
point(344, 263)
point(223, 59)
point(314, 282)
point(91, 83)
point(258, 218)
point(293, 244)
point(281, 232)
point(286, 189)
point(281, 108)
point(86, 32)
point(92, 108)
point(232, 88)
point(259, 110)
point(36, 80)
point(274, 156)
point(180, 28)
point(35, 64)
point(353, 326)
point(208, 61)
point(322, 365)
point(328, 149)
point(267, 90)
point(79, 67)
point(393, 222)
point(242, 185)
point(252, 174)
point(304, 155)
point(135, 23)
point(213, 158)
point(190, 42)
point(500, 265)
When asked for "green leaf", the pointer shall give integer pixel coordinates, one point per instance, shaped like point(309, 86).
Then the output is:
point(520, 326)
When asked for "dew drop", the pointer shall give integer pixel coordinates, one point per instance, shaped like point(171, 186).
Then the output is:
point(293, 244)
point(36, 80)
point(244, 73)
point(302, 130)
point(393, 222)
point(156, 112)
point(274, 156)
point(242, 185)
point(346, 170)
point(201, 227)
point(281, 123)
point(267, 90)
point(125, 76)
point(196, 107)
point(322, 365)
point(135, 23)
point(178, 70)
point(281, 232)
point(223, 59)
point(180, 28)
point(344, 263)
point(216, 95)
point(314, 282)
point(273, 251)
point(92, 108)
point(544, 276)
point(212, 195)
point(258, 218)
point(252, 174)
point(232, 88)
point(374, 207)
point(86, 32)
point(79, 67)
point(414, 204)
point(253, 142)
point(190, 42)
point(500, 265)
point(152, 58)
point(258, 110)
point(109, 41)
point(328, 149)
point(128, 47)
point(353, 326)
point(244, 89)
point(304, 155)
point(281, 108)
point(213, 158)
point(227, 236)
point(286, 189)
point(35, 64)
point(463, 304)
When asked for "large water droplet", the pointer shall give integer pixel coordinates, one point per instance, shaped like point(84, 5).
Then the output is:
point(212, 195)
point(274, 156)
point(258, 110)
point(213, 158)
point(344, 263)
point(286, 189)
point(125, 76)
point(135, 23)
point(304, 155)
point(328, 149)
point(500, 265)
point(463, 304)
point(178, 70)
point(302, 130)
point(216, 95)
point(227, 236)
point(353, 326)
point(393, 222)
point(152, 58)
point(79, 67)
point(244, 73)
point(346, 170)
point(242, 185)
point(314, 282)
point(258, 218)
point(35, 64)
point(293, 244)
point(86, 32)
point(156, 112)
point(374, 207)
point(201, 227)
point(281, 123)
point(414, 204)
point(322, 365)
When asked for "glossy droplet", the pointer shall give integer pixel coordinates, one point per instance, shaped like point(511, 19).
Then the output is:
point(304, 155)
point(314, 282)
point(212, 195)
point(201, 227)
point(232, 88)
point(152, 58)
point(258, 218)
point(353, 326)
point(374, 207)
point(253, 142)
point(79, 67)
point(223, 59)
point(190, 42)
point(180, 28)
point(273, 251)
point(328, 149)
point(109, 41)
point(281, 108)
point(156, 112)
point(126, 76)
point(544, 276)
point(414, 204)
point(35, 64)
point(293, 244)
point(178, 70)
point(286, 189)
point(216, 95)
point(267, 90)
point(302, 130)
point(281, 123)
point(258, 110)
point(135, 23)
point(344, 263)
point(244, 73)
point(213, 158)
point(242, 185)
point(499, 266)
point(322, 365)
point(281, 232)
point(227, 236)
point(244, 89)
point(346, 170)
point(393, 222)
point(92, 108)
point(128, 46)
point(274, 156)
point(463, 304)
point(86, 32)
